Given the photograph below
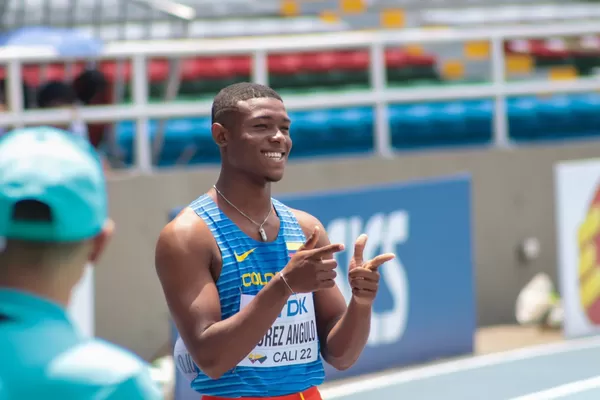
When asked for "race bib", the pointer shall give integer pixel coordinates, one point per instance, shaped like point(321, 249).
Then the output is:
point(183, 360)
point(291, 340)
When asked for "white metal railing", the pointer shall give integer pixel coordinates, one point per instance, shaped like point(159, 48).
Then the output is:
point(379, 96)
point(171, 8)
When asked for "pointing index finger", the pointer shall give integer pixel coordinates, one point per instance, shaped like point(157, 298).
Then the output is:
point(379, 260)
point(329, 249)
point(311, 242)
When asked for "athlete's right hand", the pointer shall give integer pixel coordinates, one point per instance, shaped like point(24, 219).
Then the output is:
point(307, 271)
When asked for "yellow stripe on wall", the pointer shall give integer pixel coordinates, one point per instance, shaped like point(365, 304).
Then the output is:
point(590, 226)
point(590, 289)
point(587, 260)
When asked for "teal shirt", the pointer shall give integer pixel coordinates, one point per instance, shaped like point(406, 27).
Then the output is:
point(44, 357)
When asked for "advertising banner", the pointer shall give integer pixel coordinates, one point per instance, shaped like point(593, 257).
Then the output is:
point(425, 308)
point(577, 194)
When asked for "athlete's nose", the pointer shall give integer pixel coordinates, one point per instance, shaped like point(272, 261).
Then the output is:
point(278, 136)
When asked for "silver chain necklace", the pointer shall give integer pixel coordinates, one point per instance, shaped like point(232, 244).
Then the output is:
point(261, 231)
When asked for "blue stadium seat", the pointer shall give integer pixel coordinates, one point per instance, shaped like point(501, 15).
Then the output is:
point(125, 133)
point(479, 121)
point(181, 136)
point(586, 112)
point(449, 123)
point(350, 130)
point(556, 118)
point(353, 129)
point(311, 133)
point(523, 119)
point(411, 125)
point(441, 124)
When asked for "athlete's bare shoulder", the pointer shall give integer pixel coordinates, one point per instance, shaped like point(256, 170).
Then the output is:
point(186, 239)
point(307, 221)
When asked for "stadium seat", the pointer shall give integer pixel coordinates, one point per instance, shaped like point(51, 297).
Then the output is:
point(585, 109)
point(448, 123)
point(410, 125)
point(404, 67)
point(350, 130)
point(353, 60)
point(523, 119)
point(353, 127)
point(556, 118)
point(479, 121)
point(285, 63)
point(441, 124)
point(323, 61)
point(312, 133)
point(186, 135)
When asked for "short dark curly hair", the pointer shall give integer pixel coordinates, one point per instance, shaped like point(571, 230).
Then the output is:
point(88, 84)
point(228, 98)
point(53, 92)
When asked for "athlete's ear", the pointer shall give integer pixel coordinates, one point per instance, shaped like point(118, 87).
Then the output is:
point(220, 134)
point(99, 242)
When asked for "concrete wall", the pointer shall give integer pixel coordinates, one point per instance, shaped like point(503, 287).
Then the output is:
point(512, 197)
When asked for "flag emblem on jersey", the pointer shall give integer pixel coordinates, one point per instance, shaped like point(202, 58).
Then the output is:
point(292, 247)
point(254, 357)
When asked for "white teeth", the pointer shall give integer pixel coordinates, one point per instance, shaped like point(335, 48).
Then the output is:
point(275, 156)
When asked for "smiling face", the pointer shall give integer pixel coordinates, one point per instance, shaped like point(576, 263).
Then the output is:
point(256, 139)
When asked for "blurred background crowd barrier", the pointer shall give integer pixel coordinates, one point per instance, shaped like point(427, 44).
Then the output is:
point(462, 113)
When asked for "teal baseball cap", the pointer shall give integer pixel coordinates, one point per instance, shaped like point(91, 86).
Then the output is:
point(59, 170)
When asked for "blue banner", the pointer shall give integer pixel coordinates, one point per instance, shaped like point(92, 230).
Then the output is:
point(425, 308)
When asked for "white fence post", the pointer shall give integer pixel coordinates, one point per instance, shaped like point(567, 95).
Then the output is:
point(378, 74)
point(500, 120)
point(15, 90)
point(143, 153)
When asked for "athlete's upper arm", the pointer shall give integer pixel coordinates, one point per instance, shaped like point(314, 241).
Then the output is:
point(330, 304)
point(183, 257)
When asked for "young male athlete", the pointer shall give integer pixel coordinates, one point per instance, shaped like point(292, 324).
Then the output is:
point(53, 221)
point(254, 300)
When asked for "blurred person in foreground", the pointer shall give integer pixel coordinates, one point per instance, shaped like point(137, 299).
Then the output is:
point(53, 221)
point(254, 300)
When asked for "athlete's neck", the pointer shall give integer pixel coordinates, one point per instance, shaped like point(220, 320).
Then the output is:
point(251, 197)
point(49, 286)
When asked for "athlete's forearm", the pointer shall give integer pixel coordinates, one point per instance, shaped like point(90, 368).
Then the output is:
point(348, 337)
point(224, 344)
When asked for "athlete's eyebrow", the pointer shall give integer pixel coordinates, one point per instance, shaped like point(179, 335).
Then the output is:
point(269, 117)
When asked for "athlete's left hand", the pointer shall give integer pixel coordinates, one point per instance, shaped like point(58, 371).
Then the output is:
point(363, 276)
